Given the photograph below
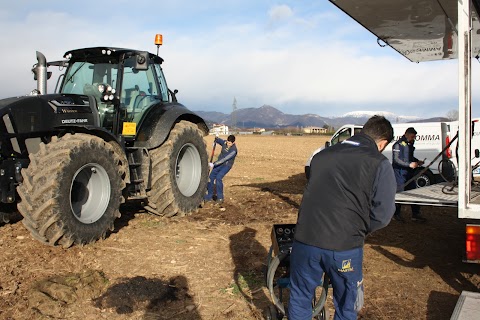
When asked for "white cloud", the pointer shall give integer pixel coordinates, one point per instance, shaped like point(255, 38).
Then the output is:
point(302, 65)
point(280, 13)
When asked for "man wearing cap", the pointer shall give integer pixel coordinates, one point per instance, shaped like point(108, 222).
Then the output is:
point(350, 194)
point(404, 164)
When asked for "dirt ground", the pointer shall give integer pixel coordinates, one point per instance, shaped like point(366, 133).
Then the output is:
point(209, 265)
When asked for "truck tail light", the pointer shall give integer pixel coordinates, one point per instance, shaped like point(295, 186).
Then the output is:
point(472, 243)
point(448, 152)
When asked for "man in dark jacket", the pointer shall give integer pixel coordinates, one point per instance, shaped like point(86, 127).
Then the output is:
point(221, 167)
point(404, 164)
point(350, 193)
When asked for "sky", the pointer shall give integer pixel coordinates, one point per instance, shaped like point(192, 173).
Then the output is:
point(298, 56)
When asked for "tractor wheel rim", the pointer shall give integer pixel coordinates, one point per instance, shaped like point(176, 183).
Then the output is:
point(188, 170)
point(90, 193)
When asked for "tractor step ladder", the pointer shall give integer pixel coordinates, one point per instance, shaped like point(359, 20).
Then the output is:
point(137, 188)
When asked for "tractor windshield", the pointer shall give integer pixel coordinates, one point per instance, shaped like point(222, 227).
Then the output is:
point(84, 77)
point(81, 76)
point(141, 89)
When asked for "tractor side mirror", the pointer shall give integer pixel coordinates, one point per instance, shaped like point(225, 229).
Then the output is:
point(141, 61)
point(327, 144)
point(477, 153)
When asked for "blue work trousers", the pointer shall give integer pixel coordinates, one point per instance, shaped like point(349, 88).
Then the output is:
point(344, 268)
point(215, 178)
point(402, 176)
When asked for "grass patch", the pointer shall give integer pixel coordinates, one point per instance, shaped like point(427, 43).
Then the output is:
point(244, 283)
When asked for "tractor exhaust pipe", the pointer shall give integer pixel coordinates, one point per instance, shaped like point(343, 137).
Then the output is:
point(40, 73)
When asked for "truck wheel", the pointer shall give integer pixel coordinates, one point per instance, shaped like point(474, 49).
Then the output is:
point(425, 179)
point(72, 190)
point(179, 171)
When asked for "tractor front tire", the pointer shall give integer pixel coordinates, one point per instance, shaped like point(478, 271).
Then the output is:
point(179, 171)
point(72, 190)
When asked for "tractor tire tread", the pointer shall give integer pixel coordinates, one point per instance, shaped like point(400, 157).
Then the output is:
point(39, 192)
point(162, 193)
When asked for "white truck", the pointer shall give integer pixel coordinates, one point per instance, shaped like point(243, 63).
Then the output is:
point(431, 140)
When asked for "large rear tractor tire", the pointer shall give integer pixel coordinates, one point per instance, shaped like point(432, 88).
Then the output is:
point(72, 190)
point(179, 171)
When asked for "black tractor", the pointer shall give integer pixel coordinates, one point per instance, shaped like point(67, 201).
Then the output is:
point(112, 133)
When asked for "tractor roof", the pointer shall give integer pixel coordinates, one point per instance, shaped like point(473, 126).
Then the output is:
point(101, 52)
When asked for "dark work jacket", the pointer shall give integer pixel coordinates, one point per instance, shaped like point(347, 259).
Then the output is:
point(351, 192)
point(402, 156)
point(227, 155)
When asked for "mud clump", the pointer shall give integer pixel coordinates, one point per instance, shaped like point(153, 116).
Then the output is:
point(51, 298)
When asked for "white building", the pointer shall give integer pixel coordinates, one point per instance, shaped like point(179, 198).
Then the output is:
point(314, 130)
point(219, 129)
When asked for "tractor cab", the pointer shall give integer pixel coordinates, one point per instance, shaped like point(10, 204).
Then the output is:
point(125, 83)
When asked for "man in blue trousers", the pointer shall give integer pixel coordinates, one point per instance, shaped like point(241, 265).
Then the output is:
point(404, 165)
point(221, 167)
point(350, 193)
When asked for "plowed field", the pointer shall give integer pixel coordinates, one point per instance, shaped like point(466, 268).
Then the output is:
point(209, 265)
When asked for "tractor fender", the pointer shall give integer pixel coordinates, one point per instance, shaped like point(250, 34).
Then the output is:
point(93, 130)
point(158, 122)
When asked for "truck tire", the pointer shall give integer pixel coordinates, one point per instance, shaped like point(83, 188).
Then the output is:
point(179, 171)
point(425, 179)
point(72, 190)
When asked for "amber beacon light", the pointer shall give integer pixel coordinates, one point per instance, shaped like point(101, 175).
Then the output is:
point(158, 41)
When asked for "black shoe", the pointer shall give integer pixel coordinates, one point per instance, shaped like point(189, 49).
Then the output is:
point(398, 217)
point(419, 219)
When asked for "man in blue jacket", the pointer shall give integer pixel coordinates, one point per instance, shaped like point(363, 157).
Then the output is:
point(404, 164)
point(221, 167)
point(350, 193)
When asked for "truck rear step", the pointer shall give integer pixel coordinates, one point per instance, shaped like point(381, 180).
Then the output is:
point(467, 307)
point(440, 194)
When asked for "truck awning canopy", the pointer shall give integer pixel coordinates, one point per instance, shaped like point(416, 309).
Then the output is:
point(419, 30)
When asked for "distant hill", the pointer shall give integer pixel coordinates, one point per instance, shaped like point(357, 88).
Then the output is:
point(269, 117)
point(264, 117)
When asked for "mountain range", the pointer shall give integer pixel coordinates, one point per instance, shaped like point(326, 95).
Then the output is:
point(269, 117)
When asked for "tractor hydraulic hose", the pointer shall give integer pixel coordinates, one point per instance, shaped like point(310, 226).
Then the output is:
point(272, 268)
point(317, 308)
point(441, 165)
